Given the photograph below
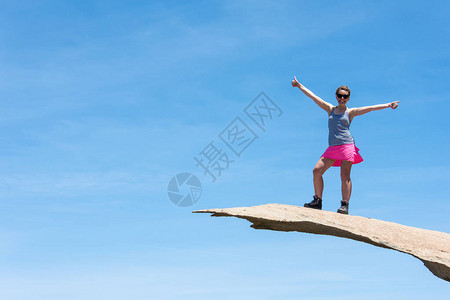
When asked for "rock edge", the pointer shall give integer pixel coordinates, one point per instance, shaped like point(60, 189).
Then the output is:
point(431, 247)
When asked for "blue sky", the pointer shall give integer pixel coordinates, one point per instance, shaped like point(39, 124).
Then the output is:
point(104, 101)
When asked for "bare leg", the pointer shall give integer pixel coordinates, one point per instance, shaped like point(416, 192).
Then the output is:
point(346, 167)
point(322, 165)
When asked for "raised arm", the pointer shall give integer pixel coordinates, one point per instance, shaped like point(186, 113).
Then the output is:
point(322, 104)
point(357, 111)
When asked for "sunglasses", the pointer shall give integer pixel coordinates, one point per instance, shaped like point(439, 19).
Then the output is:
point(342, 96)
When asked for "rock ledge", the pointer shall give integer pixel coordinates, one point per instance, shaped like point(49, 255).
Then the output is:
point(431, 247)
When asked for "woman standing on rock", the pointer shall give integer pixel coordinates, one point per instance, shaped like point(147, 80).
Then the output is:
point(341, 149)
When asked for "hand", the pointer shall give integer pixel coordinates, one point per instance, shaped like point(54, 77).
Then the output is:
point(295, 83)
point(394, 104)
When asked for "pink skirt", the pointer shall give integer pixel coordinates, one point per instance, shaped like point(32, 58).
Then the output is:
point(348, 152)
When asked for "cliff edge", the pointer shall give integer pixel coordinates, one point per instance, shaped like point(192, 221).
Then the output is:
point(431, 247)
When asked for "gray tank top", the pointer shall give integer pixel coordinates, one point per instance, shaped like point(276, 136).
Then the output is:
point(338, 126)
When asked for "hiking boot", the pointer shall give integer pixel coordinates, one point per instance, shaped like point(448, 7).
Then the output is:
point(316, 203)
point(344, 208)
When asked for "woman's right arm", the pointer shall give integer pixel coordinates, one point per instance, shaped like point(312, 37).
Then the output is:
point(322, 104)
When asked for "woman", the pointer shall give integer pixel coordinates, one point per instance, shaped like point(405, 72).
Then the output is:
point(341, 149)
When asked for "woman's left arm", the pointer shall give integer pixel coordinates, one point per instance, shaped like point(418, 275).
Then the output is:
point(357, 111)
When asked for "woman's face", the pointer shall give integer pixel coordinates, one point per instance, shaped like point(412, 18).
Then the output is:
point(342, 97)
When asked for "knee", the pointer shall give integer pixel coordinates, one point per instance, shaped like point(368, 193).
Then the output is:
point(317, 171)
point(345, 177)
